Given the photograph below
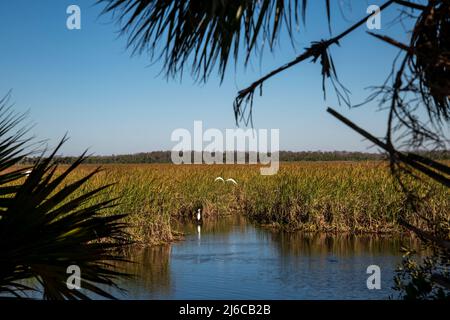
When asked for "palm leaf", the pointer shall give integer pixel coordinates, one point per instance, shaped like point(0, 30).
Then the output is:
point(44, 227)
point(209, 32)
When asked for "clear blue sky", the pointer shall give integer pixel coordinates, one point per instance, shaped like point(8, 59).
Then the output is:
point(85, 82)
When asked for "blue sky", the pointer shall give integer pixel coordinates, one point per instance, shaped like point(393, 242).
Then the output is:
point(86, 83)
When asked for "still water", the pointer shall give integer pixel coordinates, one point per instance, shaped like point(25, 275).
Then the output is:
point(232, 259)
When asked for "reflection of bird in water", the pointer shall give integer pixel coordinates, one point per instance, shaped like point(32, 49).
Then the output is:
point(199, 232)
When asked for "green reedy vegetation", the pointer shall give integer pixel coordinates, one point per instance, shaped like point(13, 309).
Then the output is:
point(353, 197)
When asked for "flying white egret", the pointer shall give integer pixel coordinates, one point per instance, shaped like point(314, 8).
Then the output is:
point(228, 180)
point(27, 173)
point(232, 180)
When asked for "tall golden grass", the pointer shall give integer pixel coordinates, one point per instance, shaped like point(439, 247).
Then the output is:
point(354, 197)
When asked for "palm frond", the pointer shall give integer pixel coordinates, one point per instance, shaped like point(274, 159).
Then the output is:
point(44, 228)
point(203, 33)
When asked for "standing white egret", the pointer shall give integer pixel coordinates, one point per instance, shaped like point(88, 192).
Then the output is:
point(199, 215)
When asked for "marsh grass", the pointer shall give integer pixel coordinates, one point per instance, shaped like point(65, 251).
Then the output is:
point(349, 197)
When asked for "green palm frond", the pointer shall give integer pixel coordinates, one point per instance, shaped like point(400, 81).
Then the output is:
point(45, 227)
point(204, 32)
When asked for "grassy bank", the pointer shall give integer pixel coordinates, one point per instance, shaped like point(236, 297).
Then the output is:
point(355, 197)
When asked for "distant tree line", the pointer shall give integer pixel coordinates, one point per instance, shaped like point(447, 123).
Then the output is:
point(285, 156)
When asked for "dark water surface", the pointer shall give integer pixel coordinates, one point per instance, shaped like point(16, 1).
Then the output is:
point(232, 259)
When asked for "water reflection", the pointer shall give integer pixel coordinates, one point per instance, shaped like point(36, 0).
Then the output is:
point(232, 259)
point(298, 243)
point(151, 269)
point(199, 232)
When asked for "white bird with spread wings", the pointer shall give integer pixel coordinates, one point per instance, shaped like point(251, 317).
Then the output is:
point(228, 180)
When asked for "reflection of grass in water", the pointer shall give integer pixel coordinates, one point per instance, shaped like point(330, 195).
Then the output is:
point(320, 244)
point(151, 269)
point(353, 197)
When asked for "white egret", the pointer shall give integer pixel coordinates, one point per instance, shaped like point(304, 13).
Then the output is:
point(199, 215)
point(232, 180)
